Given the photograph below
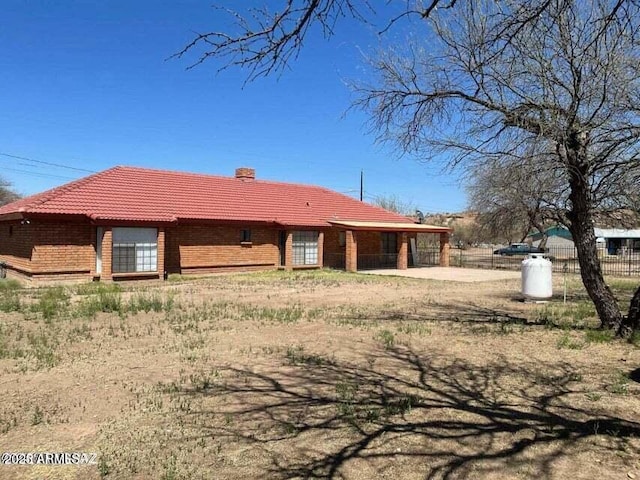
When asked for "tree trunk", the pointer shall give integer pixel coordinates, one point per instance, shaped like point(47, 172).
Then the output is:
point(581, 227)
point(543, 241)
point(631, 322)
point(591, 273)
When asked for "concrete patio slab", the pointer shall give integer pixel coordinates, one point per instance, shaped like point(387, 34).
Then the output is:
point(452, 274)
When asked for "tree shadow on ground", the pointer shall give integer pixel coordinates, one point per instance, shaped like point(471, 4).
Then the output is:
point(462, 312)
point(403, 411)
point(473, 314)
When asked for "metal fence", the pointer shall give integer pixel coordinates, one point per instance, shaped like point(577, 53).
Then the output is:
point(334, 260)
point(365, 262)
point(373, 262)
point(427, 257)
point(625, 263)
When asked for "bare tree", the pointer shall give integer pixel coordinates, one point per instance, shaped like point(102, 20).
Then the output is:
point(267, 40)
point(556, 75)
point(393, 203)
point(491, 80)
point(7, 195)
point(514, 198)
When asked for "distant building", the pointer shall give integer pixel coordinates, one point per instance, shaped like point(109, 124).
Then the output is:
point(615, 241)
point(618, 241)
point(557, 237)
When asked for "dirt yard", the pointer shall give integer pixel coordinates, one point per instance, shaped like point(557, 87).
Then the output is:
point(316, 375)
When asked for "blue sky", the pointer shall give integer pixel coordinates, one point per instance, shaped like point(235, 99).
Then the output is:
point(87, 85)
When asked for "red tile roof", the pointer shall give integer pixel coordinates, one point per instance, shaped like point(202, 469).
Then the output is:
point(139, 194)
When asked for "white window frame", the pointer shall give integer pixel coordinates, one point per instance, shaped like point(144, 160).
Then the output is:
point(305, 247)
point(140, 245)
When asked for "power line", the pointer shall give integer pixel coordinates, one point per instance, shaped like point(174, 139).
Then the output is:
point(37, 174)
point(47, 163)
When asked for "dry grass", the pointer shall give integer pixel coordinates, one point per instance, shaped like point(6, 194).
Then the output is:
point(315, 375)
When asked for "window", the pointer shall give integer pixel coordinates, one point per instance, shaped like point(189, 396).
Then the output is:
point(305, 248)
point(10, 230)
point(389, 242)
point(245, 236)
point(342, 238)
point(135, 250)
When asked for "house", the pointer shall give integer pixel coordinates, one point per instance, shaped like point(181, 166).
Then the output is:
point(613, 241)
point(126, 223)
point(618, 241)
point(557, 237)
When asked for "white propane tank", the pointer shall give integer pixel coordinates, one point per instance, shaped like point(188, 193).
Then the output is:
point(536, 277)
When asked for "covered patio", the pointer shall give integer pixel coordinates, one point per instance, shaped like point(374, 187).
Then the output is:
point(363, 245)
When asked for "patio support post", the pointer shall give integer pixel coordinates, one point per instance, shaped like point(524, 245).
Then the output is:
point(351, 252)
point(444, 249)
point(403, 259)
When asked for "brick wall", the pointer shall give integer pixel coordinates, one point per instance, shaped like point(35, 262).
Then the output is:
point(59, 250)
point(63, 248)
point(16, 245)
point(332, 242)
point(47, 252)
point(48, 249)
point(369, 243)
point(212, 248)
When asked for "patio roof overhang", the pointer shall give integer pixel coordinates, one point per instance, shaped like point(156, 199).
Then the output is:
point(389, 226)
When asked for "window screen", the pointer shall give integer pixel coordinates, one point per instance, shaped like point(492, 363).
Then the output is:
point(305, 248)
point(135, 250)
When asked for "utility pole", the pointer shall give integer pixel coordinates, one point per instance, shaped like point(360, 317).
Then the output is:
point(361, 184)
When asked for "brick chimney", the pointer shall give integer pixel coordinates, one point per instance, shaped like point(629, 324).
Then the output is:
point(245, 173)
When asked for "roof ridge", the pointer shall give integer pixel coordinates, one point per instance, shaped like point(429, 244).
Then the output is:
point(47, 195)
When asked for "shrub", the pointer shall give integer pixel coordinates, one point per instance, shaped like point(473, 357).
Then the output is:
point(51, 302)
point(147, 303)
point(104, 301)
point(96, 288)
point(9, 301)
point(386, 338)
